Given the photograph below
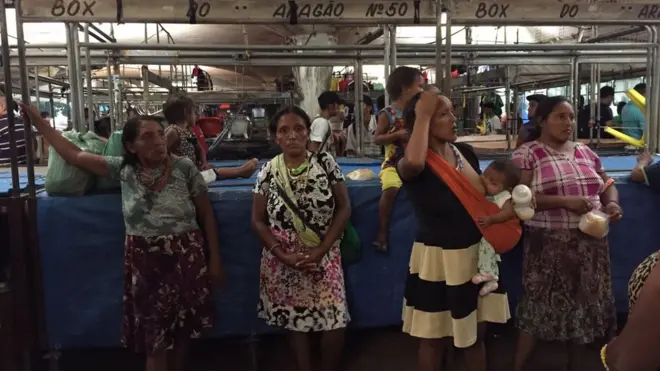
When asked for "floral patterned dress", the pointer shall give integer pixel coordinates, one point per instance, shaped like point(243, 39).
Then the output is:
point(167, 294)
point(290, 298)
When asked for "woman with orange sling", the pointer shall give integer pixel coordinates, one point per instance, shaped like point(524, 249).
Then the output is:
point(440, 301)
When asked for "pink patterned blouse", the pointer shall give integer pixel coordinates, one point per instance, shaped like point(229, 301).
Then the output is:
point(556, 174)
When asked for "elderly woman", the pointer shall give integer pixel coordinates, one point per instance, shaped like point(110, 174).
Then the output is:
point(566, 273)
point(299, 212)
point(441, 303)
point(167, 292)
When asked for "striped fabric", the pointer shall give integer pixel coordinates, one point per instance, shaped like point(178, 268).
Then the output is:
point(441, 300)
point(5, 151)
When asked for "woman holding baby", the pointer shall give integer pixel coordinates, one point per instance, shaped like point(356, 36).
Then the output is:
point(442, 305)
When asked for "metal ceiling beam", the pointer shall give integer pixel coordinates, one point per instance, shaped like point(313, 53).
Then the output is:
point(157, 80)
point(615, 35)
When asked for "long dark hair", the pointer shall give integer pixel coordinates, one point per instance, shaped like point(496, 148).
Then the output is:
point(128, 136)
point(294, 110)
point(409, 114)
point(543, 111)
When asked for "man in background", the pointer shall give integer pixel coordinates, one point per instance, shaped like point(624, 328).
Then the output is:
point(493, 123)
point(329, 102)
point(369, 148)
point(633, 120)
point(585, 122)
point(525, 128)
point(19, 136)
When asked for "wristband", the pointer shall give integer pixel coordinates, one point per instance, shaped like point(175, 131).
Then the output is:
point(608, 184)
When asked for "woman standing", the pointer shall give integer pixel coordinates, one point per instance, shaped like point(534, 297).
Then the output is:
point(167, 293)
point(299, 211)
point(441, 302)
point(566, 273)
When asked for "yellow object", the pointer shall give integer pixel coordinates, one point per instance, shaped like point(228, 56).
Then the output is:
point(482, 126)
point(639, 101)
point(389, 178)
point(603, 357)
point(626, 138)
point(308, 237)
point(334, 83)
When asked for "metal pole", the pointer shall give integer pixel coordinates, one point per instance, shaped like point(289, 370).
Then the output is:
point(507, 103)
point(111, 97)
point(145, 87)
point(447, 79)
point(359, 91)
point(439, 74)
point(160, 70)
point(25, 96)
point(650, 128)
point(88, 77)
point(393, 48)
point(571, 91)
point(119, 99)
point(355, 48)
point(73, 109)
point(655, 93)
point(6, 68)
point(78, 79)
point(576, 90)
point(388, 51)
point(37, 98)
point(51, 100)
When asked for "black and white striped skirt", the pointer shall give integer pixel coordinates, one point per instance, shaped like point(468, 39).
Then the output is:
point(440, 299)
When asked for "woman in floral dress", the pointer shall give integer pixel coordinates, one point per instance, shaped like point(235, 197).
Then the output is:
point(566, 274)
point(167, 281)
point(299, 212)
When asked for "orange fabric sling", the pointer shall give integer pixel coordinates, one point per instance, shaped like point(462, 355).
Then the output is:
point(502, 236)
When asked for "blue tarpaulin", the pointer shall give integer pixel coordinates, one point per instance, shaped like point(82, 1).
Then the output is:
point(81, 240)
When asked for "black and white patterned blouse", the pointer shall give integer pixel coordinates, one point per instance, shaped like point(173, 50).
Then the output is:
point(312, 191)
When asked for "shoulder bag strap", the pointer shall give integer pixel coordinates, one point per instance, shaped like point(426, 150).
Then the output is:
point(294, 209)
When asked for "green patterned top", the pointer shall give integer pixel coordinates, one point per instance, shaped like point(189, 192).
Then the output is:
point(170, 211)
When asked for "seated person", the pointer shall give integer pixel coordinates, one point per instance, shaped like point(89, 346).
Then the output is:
point(493, 124)
point(369, 149)
point(585, 119)
point(617, 122)
point(633, 120)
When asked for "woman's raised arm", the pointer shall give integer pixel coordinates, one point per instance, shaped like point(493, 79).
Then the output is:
point(414, 158)
point(67, 150)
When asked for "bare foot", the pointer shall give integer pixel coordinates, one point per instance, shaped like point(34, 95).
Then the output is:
point(380, 245)
point(488, 287)
point(248, 168)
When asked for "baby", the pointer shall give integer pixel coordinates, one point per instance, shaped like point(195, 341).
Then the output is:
point(499, 179)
